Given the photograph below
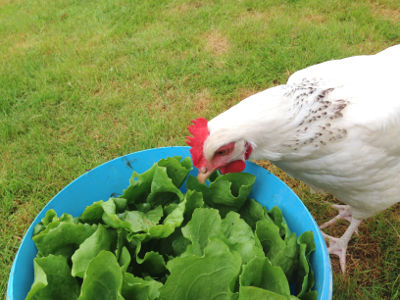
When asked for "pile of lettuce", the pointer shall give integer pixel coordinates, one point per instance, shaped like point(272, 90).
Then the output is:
point(156, 242)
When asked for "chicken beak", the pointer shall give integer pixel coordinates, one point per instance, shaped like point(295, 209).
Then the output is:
point(204, 173)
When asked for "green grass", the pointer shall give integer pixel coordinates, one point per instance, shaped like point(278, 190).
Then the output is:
point(82, 82)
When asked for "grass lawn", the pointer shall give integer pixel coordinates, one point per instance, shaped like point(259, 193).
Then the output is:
point(82, 82)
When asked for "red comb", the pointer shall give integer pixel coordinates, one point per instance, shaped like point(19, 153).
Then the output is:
point(199, 130)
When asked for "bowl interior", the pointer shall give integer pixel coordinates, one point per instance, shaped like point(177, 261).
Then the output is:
point(109, 179)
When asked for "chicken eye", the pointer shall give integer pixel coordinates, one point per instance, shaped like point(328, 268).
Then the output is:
point(221, 152)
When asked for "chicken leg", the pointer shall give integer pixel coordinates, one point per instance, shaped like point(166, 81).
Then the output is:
point(343, 214)
point(338, 246)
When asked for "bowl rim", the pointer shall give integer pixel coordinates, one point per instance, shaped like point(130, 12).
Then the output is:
point(327, 278)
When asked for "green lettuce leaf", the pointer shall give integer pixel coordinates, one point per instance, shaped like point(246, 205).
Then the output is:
point(152, 264)
point(53, 280)
point(240, 237)
point(226, 193)
point(313, 295)
point(179, 244)
point(252, 211)
point(232, 190)
point(259, 272)
point(163, 191)
point(140, 186)
point(142, 221)
point(211, 276)
point(103, 278)
point(283, 253)
point(269, 236)
point(252, 293)
point(308, 239)
point(120, 204)
point(173, 245)
point(287, 257)
point(304, 277)
point(93, 213)
point(153, 261)
point(177, 170)
point(276, 215)
point(172, 221)
point(205, 224)
point(48, 219)
point(132, 221)
point(147, 260)
point(101, 239)
point(158, 185)
point(62, 237)
point(124, 259)
point(193, 200)
point(121, 242)
point(140, 289)
point(159, 231)
point(111, 218)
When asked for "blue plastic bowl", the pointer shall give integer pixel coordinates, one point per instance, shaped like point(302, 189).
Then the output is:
point(112, 177)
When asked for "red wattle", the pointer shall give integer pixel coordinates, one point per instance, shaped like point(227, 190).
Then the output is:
point(233, 167)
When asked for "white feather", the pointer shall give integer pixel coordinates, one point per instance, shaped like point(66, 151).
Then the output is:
point(335, 125)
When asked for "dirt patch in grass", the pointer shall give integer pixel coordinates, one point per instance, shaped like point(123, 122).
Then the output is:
point(156, 108)
point(202, 102)
point(252, 15)
point(7, 2)
point(393, 14)
point(216, 43)
point(311, 17)
point(315, 18)
point(21, 43)
point(185, 7)
point(264, 16)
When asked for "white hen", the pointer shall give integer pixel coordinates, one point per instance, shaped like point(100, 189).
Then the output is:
point(335, 126)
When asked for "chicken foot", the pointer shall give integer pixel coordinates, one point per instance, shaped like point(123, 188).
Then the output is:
point(338, 246)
